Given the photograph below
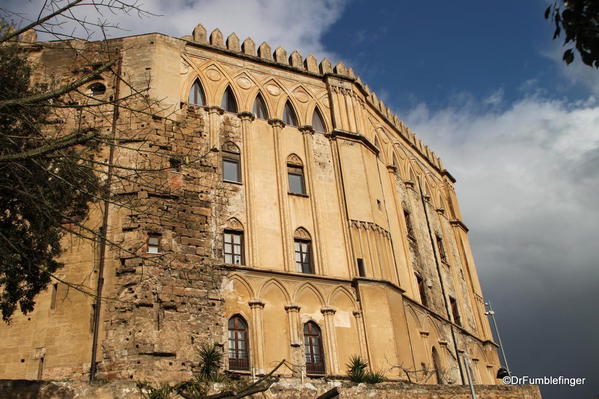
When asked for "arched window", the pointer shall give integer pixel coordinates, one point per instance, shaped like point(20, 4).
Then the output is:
point(437, 366)
point(289, 116)
point(196, 94)
point(313, 348)
point(228, 102)
point(303, 251)
point(260, 108)
point(231, 163)
point(238, 344)
point(317, 121)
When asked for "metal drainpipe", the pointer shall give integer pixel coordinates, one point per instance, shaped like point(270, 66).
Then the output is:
point(104, 228)
point(430, 234)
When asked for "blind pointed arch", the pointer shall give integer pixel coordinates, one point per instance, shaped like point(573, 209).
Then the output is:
point(259, 108)
point(228, 102)
point(289, 116)
point(318, 121)
point(196, 94)
point(238, 344)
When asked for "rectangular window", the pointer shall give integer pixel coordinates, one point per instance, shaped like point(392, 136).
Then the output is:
point(409, 227)
point(421, 289)
point(303, 256)
point(231, 169)
point(361, 269)
point(455, 311)
point(153, 244)
point(441, 248)
point(233, 247)
point(295, 175)
point(54, 294)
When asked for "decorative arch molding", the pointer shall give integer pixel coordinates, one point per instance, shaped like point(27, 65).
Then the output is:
point(412, 312)
point(273, 282)
point(229, 100)
point(294, 159)
point(288, 110)
point(310, 287)
point(231, 147)
point(234, 224)
point(301, 234)
point(342, 291)
point(238, 279)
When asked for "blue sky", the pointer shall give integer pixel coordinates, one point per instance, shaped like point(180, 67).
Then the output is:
point(483, 85)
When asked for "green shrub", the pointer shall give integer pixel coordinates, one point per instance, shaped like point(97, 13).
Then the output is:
point(358, 373)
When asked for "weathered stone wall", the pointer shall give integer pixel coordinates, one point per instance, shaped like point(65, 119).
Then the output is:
point(22, 389)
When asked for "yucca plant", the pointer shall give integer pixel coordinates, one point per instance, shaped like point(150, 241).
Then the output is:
point(358, 373)
point(210, 363)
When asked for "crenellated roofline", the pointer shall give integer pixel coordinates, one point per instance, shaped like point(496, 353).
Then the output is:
point(295, 61)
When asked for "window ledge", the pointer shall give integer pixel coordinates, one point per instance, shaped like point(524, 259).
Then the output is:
point(233, 182)
point(299, 195)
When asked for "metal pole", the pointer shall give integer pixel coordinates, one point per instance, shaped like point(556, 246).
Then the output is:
point(469, 373)
point(491, 313)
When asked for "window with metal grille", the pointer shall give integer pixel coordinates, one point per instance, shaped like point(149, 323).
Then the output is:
point(303, 256)
point(233, 247)
point(238, 344)
point(313, 348)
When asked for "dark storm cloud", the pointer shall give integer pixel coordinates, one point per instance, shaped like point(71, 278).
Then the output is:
point(528, 187)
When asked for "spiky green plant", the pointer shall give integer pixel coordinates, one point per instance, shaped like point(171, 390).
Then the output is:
point(210, 363)
point(358, 373)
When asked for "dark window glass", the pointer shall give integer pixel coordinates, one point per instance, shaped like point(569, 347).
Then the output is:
point(228, 102)
point(455, 311)
point(361, 269)
point(260, 108)
point(295, 176)
point(313, 349)
point(441, 248)
point(289, 115)
point(97, 89)
point(421, 290)
point(196, 94)
point(153, 243)
point(231, 169)
point(233, 247)
point(317, 121)
point(409, 227)
point(238, 344)
point(303, 256)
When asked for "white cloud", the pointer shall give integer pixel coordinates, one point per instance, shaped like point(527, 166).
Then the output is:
point(292, 24)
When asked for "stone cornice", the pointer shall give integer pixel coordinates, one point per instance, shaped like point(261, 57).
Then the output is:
point(354, 137)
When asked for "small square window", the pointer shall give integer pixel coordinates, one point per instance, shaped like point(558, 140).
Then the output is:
point(153, 244)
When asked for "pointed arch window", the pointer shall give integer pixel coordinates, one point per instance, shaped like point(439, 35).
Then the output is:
point(318, 121)
point(238, 344)
point(196, 94)
point(228, 103)
point(260, 107)
point(289, 116)
point(313, 348)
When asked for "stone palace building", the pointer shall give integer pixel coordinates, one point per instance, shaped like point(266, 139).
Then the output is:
point(269, 204)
